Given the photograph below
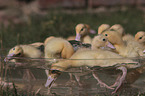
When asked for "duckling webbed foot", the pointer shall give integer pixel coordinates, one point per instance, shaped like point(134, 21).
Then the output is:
point(102, 84)
point(122, 78)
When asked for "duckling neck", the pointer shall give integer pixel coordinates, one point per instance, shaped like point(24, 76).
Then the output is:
point(120, 47)
point(95, 47)
point(61, 65)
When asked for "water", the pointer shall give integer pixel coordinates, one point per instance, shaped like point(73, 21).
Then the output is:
point(30, 77)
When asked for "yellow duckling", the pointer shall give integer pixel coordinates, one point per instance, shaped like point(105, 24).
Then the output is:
point(101, 42)
point(58, 48)
point(102, 28)
point(125, 49)
point(23, 51)
point(47, 39)
point(82, 31)
point(140, 37)
point(18, 51)
point(119, 28)
point(91, 58)
point(98, 42)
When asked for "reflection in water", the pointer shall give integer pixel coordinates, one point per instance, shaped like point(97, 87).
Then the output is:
point(83, 84)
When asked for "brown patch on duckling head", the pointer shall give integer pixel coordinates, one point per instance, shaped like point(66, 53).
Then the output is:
point(140, 37)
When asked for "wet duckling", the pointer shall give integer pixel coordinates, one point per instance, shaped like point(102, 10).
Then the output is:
point(58, 48)
point(87, 57)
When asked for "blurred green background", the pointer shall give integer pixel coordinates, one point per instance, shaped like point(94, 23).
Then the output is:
point(55, 22)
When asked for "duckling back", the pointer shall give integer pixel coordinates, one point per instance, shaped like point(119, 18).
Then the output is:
point(58, 48)
point(31, 51)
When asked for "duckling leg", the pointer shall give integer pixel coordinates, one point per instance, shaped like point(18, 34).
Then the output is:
point(122, 78)
point(71, 81)
point(28, 75)
point(116, 82)
point(78, 80)
point(102, 84)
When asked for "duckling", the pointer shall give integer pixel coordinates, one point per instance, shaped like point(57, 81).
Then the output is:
point(23, 51)
point(58, 48)
point(125, 49)
point(102, 28)
point(119, 28)
point(85, 39)
point(91, 58)
point(101, 42)
point(140, 37)
point(82, 31)
point(98, 42)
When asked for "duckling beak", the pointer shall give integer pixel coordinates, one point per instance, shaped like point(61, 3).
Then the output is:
point(53, 74)
point(78, 37)
point(110, 45)
point(92, 31)
point(49, 81)
point(9, 57)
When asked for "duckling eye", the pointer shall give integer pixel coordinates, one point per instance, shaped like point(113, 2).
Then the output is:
point(106, 34)
point(82, 29)
point(54, 71)
point(19, 54)
point(140, 37)
point(104, 39)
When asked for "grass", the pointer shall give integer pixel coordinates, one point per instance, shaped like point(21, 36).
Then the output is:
point(62, 24)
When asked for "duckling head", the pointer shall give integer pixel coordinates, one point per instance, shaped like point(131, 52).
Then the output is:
point(103, 28)
point(16, 51)
point(55, 71)
point(113, 37)
point(140, 37)
point(101, 41)
point(81, 31)
point(118, 28)
point(52, 76)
